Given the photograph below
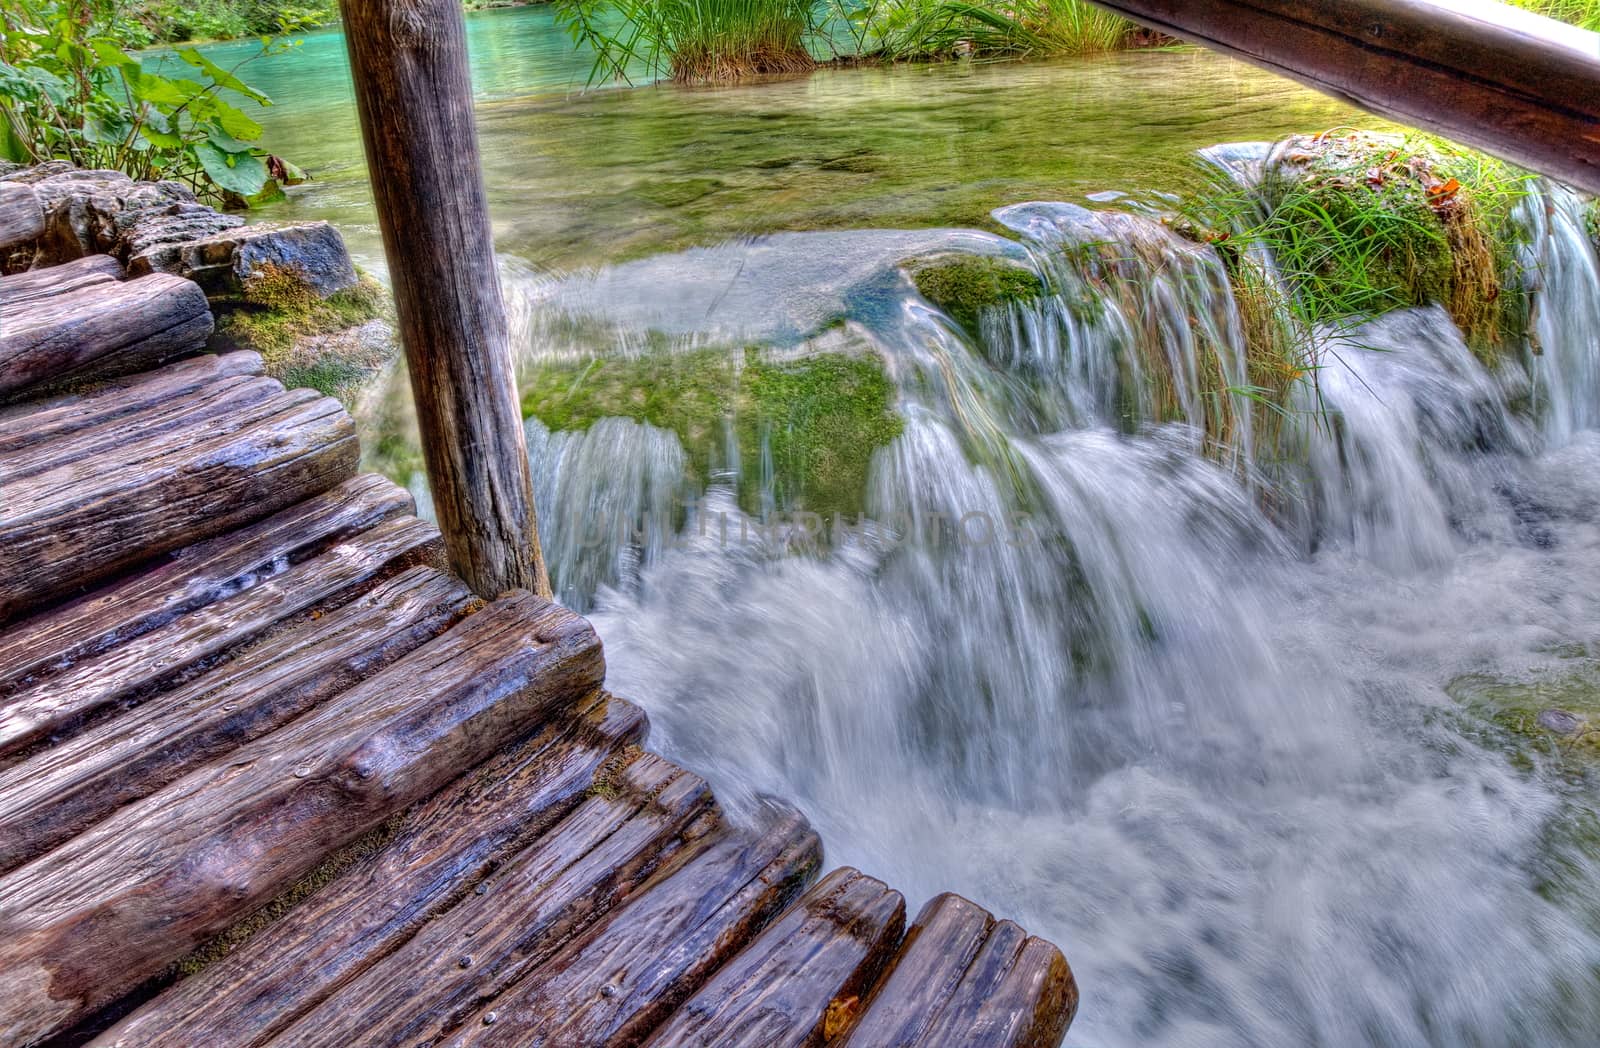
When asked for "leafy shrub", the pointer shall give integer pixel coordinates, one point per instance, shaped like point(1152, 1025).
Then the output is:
point(70, 90)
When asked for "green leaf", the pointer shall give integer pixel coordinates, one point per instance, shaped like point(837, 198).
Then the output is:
point(235, 123)
point(221, 76)
point(216, 136)
point(110, 54)
point(236, 173)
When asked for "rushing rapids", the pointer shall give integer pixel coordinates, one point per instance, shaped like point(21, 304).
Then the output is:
point(1098, 652)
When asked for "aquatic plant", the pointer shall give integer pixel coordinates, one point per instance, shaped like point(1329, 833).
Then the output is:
point(691, 39)
point(900, 30)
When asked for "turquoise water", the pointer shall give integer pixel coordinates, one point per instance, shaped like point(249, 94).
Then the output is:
point(582, 177)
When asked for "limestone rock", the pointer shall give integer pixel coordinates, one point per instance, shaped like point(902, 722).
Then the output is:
point(225, 261)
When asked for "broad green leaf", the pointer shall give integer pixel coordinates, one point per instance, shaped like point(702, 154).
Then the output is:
point(242, 173)
point(220, 75)
point(216, 136)
point(236, 123)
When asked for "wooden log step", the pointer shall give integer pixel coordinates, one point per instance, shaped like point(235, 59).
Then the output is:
point(61, 703)
point(438, 853)
point(62, 791)
point(69, 528)
point(21, 216)
point(618, 982)
point(192, 578)
point(223, 406)
point(84, 924)
point(107, 329)
point(961, 977)
point(37, 422)
point(802, 980)
point(34, 284)
point(539, 900)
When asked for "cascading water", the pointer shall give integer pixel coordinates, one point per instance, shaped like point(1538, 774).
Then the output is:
point(1078, 673)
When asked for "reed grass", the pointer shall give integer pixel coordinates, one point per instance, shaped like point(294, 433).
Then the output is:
point(692, 40)
point(1582, 13)
point(904, 30)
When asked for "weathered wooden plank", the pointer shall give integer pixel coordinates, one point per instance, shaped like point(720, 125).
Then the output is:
point(438, 853)
point(71, 527)
point(937, 951)
point(539, 900)
point(408, 59)
point(1018, 993)
point(963, 978)
point(81, 926)
point(224, 406)
point(21, 217)
point(61, 702)
point(34, 284)
point(1509, 82)
point(106, 328)
point(798, 984)
point(616, 983)
point(191, 578)
point(64, 790)
point(35, 422)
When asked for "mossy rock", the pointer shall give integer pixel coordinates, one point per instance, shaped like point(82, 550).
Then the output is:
point(327, 344)
point(1559, 714)
point(821, 417)
point(1366, 223)
point(966, 285)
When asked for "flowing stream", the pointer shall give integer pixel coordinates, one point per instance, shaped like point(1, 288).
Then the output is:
point(1226, 728)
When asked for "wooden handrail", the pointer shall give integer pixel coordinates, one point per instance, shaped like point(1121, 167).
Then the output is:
point(1514, 84)
point(409, 62)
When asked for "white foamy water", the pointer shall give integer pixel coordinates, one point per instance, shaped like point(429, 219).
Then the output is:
point(1207, 751)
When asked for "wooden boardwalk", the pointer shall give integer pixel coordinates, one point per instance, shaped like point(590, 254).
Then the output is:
point(270, 775)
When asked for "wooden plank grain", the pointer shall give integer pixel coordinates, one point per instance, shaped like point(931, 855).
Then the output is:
point(104, 328)
point(539, 900)
point(1511, 83)
point(62, 791)
point(618, 982)
point(223, 406)
point(961, 977)
point(36, 422)
point(192, 578)
point(438, 853)
point(70, 527)
point(937, 951)
point(34, 284)
point(84, 924)
point(62, 702)
point(797, 984)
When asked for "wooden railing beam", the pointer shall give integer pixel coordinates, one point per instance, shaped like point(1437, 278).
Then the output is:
point(409, 62)
point(1513, 84)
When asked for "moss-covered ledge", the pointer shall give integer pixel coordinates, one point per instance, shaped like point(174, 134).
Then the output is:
point(964, 286)
point(820, 417)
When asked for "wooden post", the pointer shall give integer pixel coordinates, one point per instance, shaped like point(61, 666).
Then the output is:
point(409, 62)
point(1509, 82)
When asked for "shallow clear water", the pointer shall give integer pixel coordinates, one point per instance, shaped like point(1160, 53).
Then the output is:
point(1216, 754)
point(579, 178)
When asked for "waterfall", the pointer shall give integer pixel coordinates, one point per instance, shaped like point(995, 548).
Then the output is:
point(1560, 268)
point(1097, 662)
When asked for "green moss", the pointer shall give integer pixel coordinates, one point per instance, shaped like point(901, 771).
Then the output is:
point(965, 285)
point(280, 313)
point(820, 417)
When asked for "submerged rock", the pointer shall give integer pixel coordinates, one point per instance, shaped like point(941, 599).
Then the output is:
point(1560, 721)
